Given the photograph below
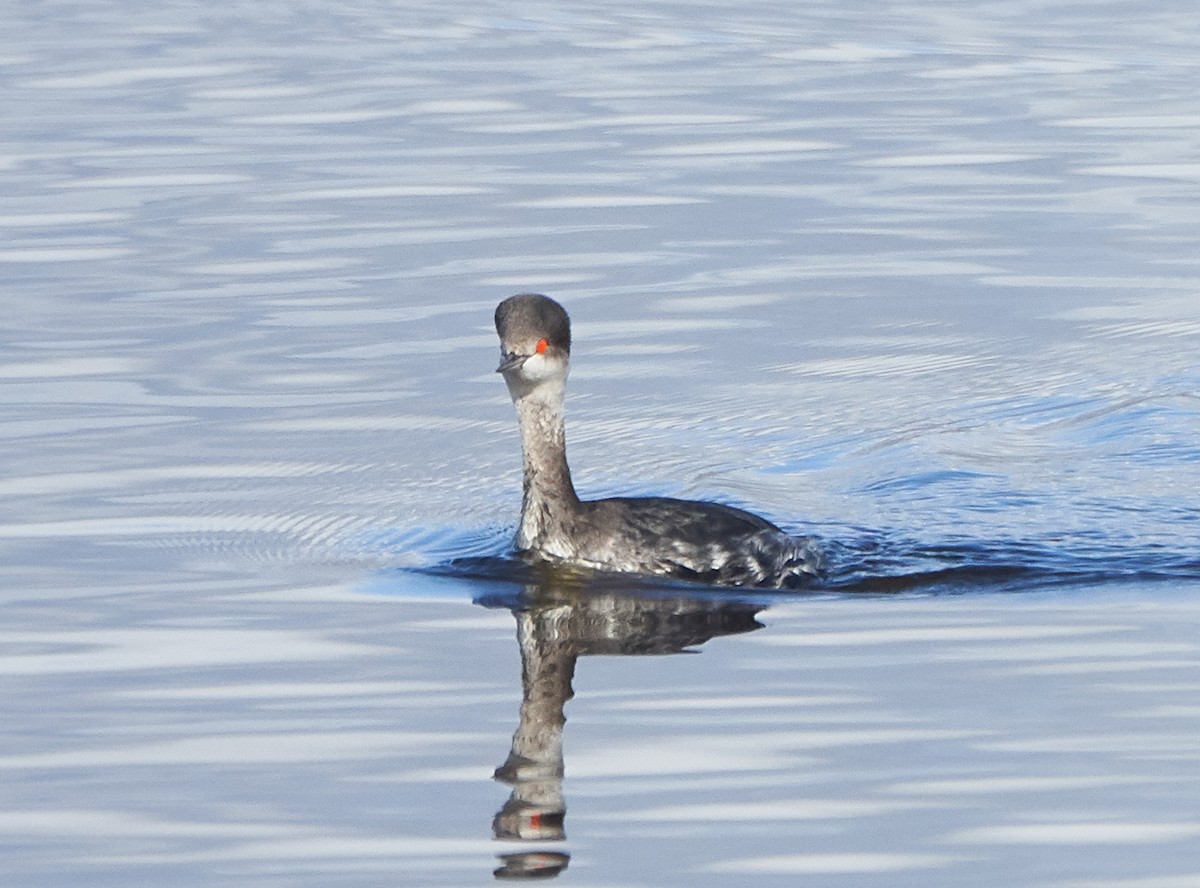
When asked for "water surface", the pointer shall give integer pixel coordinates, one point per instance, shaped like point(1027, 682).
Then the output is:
point(920, 281)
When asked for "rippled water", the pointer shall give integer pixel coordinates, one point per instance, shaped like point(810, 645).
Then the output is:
point(921, 281)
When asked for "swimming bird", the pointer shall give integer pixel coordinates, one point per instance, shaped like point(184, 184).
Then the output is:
point(657, 536)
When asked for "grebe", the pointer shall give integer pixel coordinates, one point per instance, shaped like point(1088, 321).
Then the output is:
point(688, 540)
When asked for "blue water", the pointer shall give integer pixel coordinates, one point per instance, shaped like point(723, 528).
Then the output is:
point(919, 281)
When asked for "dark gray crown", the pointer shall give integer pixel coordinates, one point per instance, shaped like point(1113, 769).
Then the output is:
point(523, 319)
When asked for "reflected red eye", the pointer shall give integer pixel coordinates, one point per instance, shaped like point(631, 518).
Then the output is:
point(541, 346)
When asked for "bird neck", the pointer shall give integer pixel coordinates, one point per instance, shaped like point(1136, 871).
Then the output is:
point(549, 496)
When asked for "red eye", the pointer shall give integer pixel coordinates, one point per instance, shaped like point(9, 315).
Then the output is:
point(541, 346)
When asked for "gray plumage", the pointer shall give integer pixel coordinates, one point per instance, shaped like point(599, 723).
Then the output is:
point(685, 539)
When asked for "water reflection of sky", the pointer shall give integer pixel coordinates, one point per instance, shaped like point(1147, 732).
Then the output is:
point(921, 280)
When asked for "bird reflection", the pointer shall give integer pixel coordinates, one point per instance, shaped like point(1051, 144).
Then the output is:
point(560, 619)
